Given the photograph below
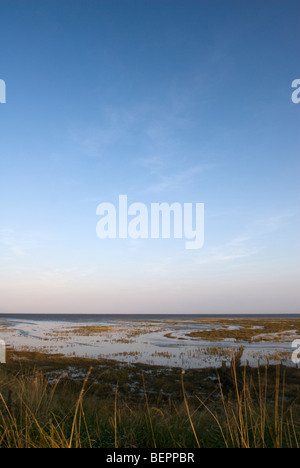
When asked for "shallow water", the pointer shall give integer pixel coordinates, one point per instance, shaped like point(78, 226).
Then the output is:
point(135, 339)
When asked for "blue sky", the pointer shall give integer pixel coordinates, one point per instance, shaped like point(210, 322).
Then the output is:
point(186, 101)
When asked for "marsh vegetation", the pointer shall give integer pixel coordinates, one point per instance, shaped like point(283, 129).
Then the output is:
point(71, 402)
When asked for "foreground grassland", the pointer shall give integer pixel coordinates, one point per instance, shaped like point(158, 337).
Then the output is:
point(54, 401)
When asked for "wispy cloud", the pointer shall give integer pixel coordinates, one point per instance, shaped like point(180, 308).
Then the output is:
point(273, 222)
point(177, 179)
point(249, 245)
point(10, 244)
point(151, 128)
point(30, 275)
point(236, 249)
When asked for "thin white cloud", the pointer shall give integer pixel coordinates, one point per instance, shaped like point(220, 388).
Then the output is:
point(272, 223)
point(236, 249)
point(177, 179)
point(10, 244)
